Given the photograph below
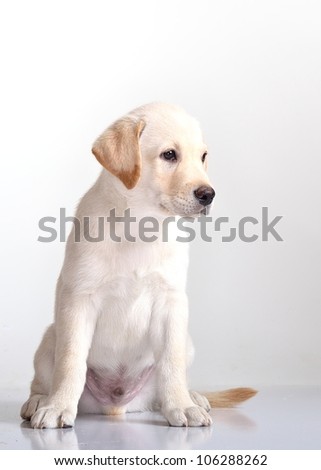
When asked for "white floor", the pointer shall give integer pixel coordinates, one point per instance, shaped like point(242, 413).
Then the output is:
point(280, 418)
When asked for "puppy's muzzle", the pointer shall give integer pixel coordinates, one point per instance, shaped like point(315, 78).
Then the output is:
point(204, 195)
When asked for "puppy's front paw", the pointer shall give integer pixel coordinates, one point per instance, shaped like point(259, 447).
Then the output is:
point(192, 416)
point(32, 404)
point(53, 417)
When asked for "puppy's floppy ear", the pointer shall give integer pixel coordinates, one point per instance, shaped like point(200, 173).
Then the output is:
point(117, 149)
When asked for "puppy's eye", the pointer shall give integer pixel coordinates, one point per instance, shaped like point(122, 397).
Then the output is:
point(204, 157)
point(169, 155)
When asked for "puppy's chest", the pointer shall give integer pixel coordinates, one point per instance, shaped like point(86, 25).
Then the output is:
point(124, 320)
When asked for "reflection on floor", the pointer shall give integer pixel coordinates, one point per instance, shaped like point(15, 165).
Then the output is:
point(278, 418)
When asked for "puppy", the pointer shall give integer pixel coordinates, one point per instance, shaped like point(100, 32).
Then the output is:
point(119, 340)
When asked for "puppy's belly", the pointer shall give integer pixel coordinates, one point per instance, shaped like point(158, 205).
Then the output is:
point(116, 388)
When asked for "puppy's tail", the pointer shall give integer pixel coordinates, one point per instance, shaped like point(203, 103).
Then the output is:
point(229, 398)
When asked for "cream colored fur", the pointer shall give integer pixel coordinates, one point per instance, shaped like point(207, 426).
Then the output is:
point(123, 306)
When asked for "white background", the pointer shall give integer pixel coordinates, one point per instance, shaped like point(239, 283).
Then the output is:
point(250, 71)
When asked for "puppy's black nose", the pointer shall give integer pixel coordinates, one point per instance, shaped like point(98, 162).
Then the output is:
point(204, 195)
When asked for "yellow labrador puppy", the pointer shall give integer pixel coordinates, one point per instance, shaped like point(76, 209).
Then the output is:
point(119, 340)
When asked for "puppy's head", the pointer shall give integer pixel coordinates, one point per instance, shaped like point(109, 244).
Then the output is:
point(157, 151)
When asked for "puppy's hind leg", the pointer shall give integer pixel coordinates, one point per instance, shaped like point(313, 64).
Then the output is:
point(43, 364)
point(200, 400)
